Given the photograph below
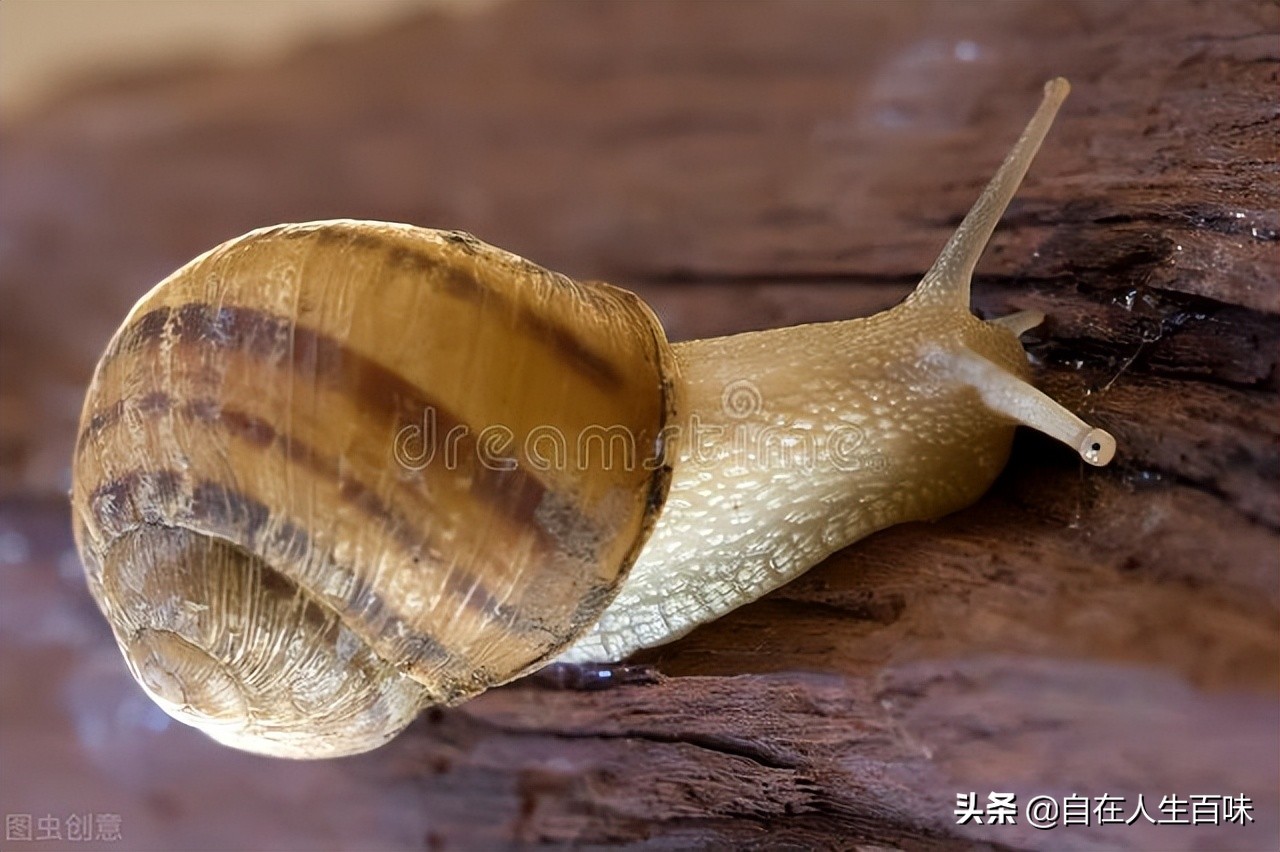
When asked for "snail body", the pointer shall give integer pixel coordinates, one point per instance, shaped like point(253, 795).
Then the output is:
point(331, 473)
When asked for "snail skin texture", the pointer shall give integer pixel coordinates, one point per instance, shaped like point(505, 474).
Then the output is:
point(331, 473)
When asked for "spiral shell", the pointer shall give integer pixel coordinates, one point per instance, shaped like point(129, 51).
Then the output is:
point(306, 487)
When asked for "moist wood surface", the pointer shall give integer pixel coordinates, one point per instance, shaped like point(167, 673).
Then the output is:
point(1080, 631)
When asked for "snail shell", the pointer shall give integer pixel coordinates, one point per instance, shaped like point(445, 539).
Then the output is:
point(274, 563)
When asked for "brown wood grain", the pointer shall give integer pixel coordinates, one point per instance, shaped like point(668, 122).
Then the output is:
point(743, 166)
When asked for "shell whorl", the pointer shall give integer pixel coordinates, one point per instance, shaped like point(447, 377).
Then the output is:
point(291, 499)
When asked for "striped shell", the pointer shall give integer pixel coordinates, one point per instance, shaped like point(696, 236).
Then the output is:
point(317, 484)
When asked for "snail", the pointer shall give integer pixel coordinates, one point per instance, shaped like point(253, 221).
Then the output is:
point(331, 473)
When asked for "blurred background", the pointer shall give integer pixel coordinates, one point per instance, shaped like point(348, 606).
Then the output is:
point(48, 45)
point(741, 166)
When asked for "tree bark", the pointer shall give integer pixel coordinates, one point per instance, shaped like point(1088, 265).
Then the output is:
point(1078, 631)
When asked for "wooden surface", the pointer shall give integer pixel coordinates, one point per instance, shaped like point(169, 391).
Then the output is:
point(1079, 631)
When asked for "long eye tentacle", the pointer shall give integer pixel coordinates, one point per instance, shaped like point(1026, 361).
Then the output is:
point(948, 280)
point(1003, 392)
